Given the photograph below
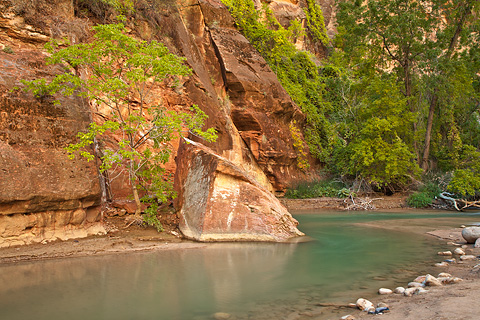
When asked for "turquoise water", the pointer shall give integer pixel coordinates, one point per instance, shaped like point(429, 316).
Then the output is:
point(247, 280)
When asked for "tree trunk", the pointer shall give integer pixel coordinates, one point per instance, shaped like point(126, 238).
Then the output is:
point(138, 211)
point(433, 103)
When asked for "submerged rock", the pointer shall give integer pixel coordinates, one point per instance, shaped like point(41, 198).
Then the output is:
point(471, 234)
point(441, 264)
point(219, 201)
point(221, 316)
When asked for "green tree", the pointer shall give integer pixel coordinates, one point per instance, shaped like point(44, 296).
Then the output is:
point(119, 72)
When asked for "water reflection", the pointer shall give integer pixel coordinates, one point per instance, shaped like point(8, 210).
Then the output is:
point(161, 285)
point(252, 281)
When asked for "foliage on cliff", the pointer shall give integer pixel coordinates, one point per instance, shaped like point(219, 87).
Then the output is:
point(397, 96)
point(121, 74)
point(295, 69)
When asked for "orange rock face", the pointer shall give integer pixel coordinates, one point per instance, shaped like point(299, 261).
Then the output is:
point(218, 201)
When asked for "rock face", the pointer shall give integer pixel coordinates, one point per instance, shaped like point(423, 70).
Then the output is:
point(218, 201)
point(44, 195)
point(47, 196)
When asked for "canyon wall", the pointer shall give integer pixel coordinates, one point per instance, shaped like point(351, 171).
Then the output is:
point(45, 196)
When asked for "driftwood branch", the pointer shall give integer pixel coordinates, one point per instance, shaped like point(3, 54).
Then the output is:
point(360, 203)
point(459, 204)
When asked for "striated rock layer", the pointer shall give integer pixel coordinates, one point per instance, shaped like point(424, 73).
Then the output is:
point(218, 201)
point(45, 196)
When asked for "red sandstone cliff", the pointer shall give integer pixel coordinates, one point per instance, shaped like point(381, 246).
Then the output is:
point(45, 196)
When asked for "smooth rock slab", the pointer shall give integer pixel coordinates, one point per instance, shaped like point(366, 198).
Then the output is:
point(471, 234)
point(219, 201)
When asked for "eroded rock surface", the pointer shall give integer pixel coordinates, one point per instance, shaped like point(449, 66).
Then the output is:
point(218, 201)
point(43, 195)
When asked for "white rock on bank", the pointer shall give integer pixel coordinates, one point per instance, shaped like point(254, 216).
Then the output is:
point(364, 304)
point(384, 291)
point(431, 281)
point(399, 290)
point(414, 284)
point(471, 234)
point(459, 251)
point(444, 275)
point(477, 243)
point(468, 257)
point(410, 292)
point(348, 317)
point(450, 280)
point(420, 291)
point(420, 279)
point(441, 264)
point(445, 253)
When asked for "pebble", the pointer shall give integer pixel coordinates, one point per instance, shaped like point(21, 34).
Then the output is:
point(384, 291)
point(445, 253)
point(441, 264)
point(431, 281)
point(468, 257)
point(414, 284)
point(477, 243)
point(348, 317)
point(451, 280)
point(399, 290)
point(364, 304)
point(409, 292)
point(420, 291)
point(451, 260)
point(444, 275)
point(459, 251)
point(420, 279)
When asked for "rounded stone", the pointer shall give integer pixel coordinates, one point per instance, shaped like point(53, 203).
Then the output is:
point(459, 251)
point(477, 243)
point(409, 292)
point(445, 253)
point(364, 304)
point(384, 291)
point(468, 257)
point(414, 284)
point(431, 281)
point(399, 290)
point(471, 234)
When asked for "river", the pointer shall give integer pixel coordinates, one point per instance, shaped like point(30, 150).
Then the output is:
point(344, 260)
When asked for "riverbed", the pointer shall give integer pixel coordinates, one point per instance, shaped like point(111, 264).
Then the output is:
point(350, 255)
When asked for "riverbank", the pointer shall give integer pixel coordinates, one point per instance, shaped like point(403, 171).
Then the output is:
point(452, 302)
point(447, 302)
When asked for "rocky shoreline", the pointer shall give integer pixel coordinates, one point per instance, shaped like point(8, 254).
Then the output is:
point(450, 295)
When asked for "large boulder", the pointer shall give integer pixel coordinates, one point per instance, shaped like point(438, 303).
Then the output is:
point(471, 234)
point(219, 201)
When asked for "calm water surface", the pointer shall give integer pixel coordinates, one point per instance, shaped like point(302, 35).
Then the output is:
point(248, 280)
